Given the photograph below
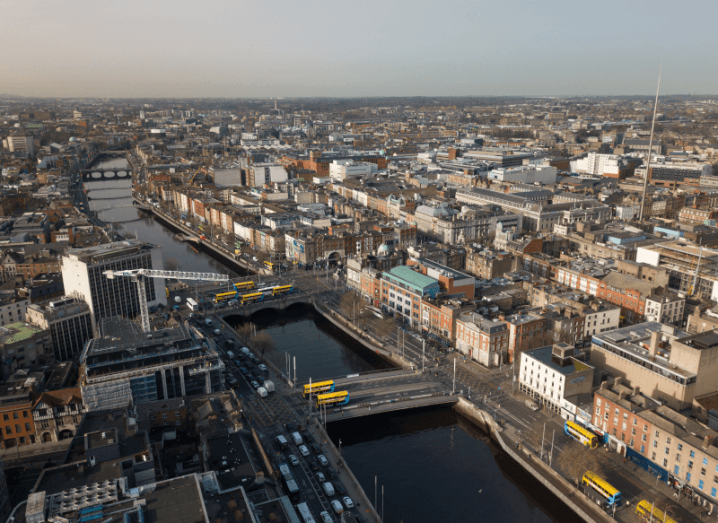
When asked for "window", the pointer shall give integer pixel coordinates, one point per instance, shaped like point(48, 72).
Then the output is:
point(152, 417)
point(643, 438)
point(27, 427)
point(177, 414)
point(680, 447)
point(655, 444)
point(688, 477)
point(668, 441)
point(653, 456)
point(24, 414)
point(668, 450)
point(18, 430)
point(643, 449)
point(703, 472)
point(665, 462)
point(5, 417)
point(676, 470)
point(713, 492)
point(657, 434)
point(700, 484)
point(693, 453)
point(14, 415)
point(8, 430)
point(705, 461)
point(678, 457)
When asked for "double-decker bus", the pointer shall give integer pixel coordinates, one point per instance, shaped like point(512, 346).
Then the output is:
point(167, 292)
point(580, 434)
point(223, 296)
point(607, 491)
point(645, 509)
point(306, 514)
point(320, 387)
point(244, 285)
point(252, 297)
point(193, 305)
point(333, 398)
point(282, 289)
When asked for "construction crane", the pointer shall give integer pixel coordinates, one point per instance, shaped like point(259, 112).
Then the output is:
point(139, 276)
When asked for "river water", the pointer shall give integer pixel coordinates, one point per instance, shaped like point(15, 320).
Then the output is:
point(434, 465)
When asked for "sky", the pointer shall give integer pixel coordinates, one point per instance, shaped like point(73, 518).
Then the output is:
point(237, 49)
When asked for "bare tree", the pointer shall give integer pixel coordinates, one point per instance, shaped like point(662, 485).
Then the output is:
point(262, 342)
point(576, 459)
point(171, 264)
point(244, 332)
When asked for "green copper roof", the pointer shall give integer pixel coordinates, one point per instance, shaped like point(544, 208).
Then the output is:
point(412, 277)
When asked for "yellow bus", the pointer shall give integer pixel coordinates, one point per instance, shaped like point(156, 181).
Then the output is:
point(252, 297)
point(244, 285)
point(319, 387)
point(603, 487)
point(644, 509)
point(224, 296)
point(580, 434)
point(282, 289)
point(269, 265)
point(167, 292)
point(333, 398)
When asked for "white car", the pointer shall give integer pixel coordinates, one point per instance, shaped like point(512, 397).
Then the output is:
point(304, 450)
point(326, 518)
point(293, 460)
point(322, 460)
point(348, 502)
point(337, 506)
point(262, 367)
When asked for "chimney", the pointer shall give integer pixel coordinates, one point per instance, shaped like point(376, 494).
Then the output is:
point(621, 395)
point(636, 390)
point(617, 381)
point(653, 347)
point(603, 386)
point(707, 441)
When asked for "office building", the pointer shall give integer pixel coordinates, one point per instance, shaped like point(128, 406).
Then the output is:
point(553, 374)
point(22, 145)
point(261, 174)
point(83, 276)
point(126, 366)
point(23, 345)
point(402, 291)
point(525, 174)
point(70, 322)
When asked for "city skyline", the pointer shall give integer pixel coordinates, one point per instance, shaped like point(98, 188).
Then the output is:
point(405, 49)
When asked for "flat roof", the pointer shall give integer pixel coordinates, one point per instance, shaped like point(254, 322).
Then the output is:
point(412, 277)
point(545, 356)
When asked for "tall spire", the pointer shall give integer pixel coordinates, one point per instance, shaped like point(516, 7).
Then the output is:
point(650, 147)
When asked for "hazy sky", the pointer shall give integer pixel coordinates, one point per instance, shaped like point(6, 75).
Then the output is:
point(158, 48)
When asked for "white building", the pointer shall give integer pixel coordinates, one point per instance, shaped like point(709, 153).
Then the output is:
point(604, 317)
point(261, 174)
point(598, 164)
point(83, 276)
point(228, 177)
point(550, 375)
point(343, 169)
point(12, 309)
point(667, 309)
point(627, 212)
point(544, 174)
point(20, 144)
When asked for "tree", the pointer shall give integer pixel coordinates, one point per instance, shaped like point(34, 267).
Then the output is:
point(244, 332)
point(576, 459)
point(171, 264)
point(262, 342)
point(386, 326)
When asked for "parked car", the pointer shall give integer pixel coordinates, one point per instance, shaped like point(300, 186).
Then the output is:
point(262, 367)
point(337, 506)
point(323, 461)
point(339, 488)
point(293, 460)
point(331, 473)
point(291, 427)
point(304, 450)
point(348, 502)
point(320, 477)
point(313, 465)
point(316, 448)
point(255, 386)
point(326, 518)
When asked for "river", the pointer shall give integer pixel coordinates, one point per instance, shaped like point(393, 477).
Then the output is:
point(434, 465)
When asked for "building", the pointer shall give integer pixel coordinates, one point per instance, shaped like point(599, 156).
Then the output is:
point(695, 215)
point(670, 365)
point(402, 291)
point(127, 366)
point(552, 374)
point(17, 427)
point(70, 322)
point(164, 413)
point(12, 309)
point(83, 276)
point(672, 174)
point(58, 414)
point(343, 169)
point(261, 174)
point(482, 340)
point(601, 317)
point(448, 225)
point(4, 495)
point(23, 345)
point(22, 145)
point(487, 265)
point(667, 308)
point(532, 174)
point(527, 330)
point(451, 281)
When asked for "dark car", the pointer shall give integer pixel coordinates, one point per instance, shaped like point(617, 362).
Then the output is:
point(339, 488)
point(316, 448)
point(331, 473)
point(244, 370)
point(291, 427)
point(313, 465)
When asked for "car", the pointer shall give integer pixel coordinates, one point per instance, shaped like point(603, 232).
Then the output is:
point(348, 502)
point(291, 427)
point(251, 377)
point(331, 473)
point(255, 386)
point(339, 488)
point(293, 460)
point(320, 477)
point(323, 461)
point(316, 448)
point(244, 370)
point(326, 518)
point(262, 367)
point(303, 450)
point(337, 506)
point(313, 465)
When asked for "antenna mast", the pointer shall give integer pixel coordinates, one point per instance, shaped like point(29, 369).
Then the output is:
point(650, 148)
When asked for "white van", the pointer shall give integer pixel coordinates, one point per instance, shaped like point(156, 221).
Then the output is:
point(262, 392)
point(245, 351)
point(297, 438)
point(337, 506)
point(282, 442)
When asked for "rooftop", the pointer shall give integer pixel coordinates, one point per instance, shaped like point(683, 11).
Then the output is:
point(545, 355)
point(17, 332)
point(412, 277)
